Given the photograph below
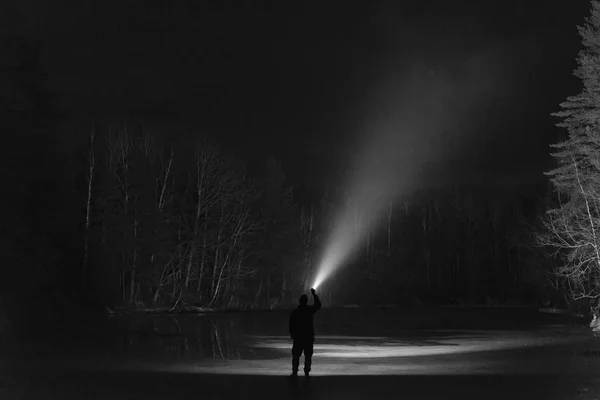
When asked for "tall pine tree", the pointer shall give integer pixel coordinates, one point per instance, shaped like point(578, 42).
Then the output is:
point(573, 228)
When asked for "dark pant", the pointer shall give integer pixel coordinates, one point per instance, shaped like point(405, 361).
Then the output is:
point(302, 346)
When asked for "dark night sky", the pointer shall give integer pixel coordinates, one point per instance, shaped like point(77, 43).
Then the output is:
point(295, 81)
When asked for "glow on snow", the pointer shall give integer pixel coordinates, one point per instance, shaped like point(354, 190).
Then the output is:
point(458, 354)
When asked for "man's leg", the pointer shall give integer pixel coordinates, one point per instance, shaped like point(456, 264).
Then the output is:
point(308, 352)
point(296, 353)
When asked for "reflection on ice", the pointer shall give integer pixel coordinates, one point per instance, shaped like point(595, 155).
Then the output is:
point(169, 337)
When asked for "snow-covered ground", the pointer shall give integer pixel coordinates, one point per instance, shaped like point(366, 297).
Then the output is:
point(414, 353)
point(229, 357)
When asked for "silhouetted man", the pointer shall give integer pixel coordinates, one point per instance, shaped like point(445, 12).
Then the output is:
point(303, 333)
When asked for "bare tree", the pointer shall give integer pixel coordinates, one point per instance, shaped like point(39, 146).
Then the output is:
point(572, 228)
point(572, 231)
point(426, 224)
point(307, 220)
point(120, 146)
point(207, 166)
point(91, 168)
point(389, 228)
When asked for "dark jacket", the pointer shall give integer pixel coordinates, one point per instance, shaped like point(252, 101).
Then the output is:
point(301, 321)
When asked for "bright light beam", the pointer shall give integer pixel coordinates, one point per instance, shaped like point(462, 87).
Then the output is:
point(374, 187)
point(407, 123)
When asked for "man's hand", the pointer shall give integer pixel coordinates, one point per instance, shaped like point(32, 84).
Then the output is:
point(312, 291)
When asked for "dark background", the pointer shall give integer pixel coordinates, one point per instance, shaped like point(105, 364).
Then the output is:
point(273, 78)
point(295, 83)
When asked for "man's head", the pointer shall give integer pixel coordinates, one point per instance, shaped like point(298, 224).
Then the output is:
point(303, 300)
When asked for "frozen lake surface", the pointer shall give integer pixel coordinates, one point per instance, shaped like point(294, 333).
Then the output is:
point(385, 353)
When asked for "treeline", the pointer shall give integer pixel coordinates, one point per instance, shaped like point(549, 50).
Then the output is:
point(123, 214)
point(174, 223)
point(452, 245)
point(177, 223)
point(148, 220)
point(154, 222)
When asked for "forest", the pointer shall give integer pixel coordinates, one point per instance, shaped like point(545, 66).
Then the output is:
point(170, 224)
point(144, 221)
point(112, 212)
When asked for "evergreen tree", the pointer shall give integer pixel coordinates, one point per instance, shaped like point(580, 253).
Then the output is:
point(572, 228)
